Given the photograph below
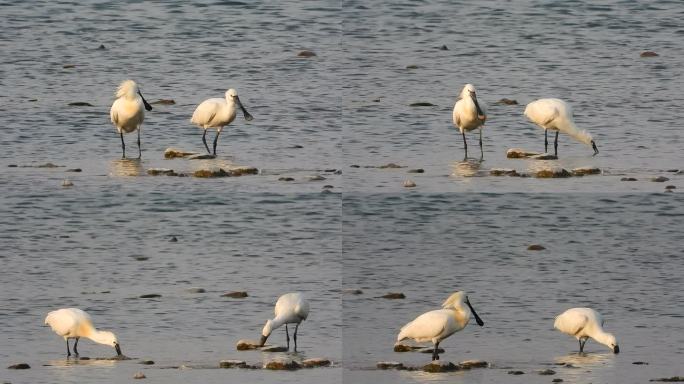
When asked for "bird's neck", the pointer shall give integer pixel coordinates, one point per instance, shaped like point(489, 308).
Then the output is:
point(602, 337)
point(277, 322)
point(99, 337)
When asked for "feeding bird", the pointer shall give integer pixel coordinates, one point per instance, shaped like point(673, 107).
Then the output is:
point(468, 115)
point(437, 325)
point(291, 308)
point(217, 113)
point(556, 114)
point(585, 323)
point(127, 112)
point(73, 323)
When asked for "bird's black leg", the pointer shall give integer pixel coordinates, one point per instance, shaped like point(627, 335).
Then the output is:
point(204, 140)
point(465, 145)
point(123, 146)
point(546, 141)
point(68, 351)
point(481, 150)
point(435, 355)
point(216, 140)
point(581, 343)
point(287, 335)
point(555, 145)
point(295, 336)
point(139, 154)
point(75, 344)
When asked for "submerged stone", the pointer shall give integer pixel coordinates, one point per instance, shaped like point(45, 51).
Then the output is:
point(673, 379)
point(236, 294)
point(150, 296)
point(246, 345)
point(628, 179)
point(172, 153)
point(146, 362)
point(161, 171)
point(316, 362)
point(306, 53)
point(581, 171)
point(430, 350)
point(508, 101)
point(73, 170)
point(660, 179)
point(286, 179)
point(391, 166)
point(389, 365)
point(353, 291)
point(139, 375)
point(274, 348)
point(469, 364)
point(536, 247)
point(164, 102)
point(416, 170)
point(282, 365)
point(421, 104)
point(394, 295)
point(547, 372)
point(232, 364)
point(544, 156)
point(516, 372)
point(551, 173)
point(201, 156)
point(440, 366)
point(196, 290)
point(519, 153)
point(648, 54)
point(409, 183)
point(80, 104)
point(503, 172)
point(19, 366)
point(316, 178)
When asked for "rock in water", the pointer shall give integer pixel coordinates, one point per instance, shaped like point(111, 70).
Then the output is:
point(544, 156)
point(518, 153)
point(409, 183)
point(164, 102)
point(430, 350)
point(440, 366)
point(581, 171)
point(469, 364)
point(660, 179)
point(150, 296)
point(536, 247)
point(139, 375)
point(306, 53)
point(196, 290)
point(246, 345)
point(236, 294)
point(394, 295)
point(282, 365)
point(516, 372)
point(404, 348)
point(232, 364)
point(551, 173)
point(146, 362)
point(648, 54)
point(547, 372)
point(353, 291)
point(508, 101)
point(503, 172)
point(316, 362)
point(389, 365)
point(161, 171)
point(274, 348)
point(19, 366)
point(171, 153)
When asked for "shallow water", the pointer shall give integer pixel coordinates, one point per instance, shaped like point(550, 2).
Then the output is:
point(105, 241)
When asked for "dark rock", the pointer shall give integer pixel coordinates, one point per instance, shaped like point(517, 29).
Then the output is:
point(409, 183)
point(503, 172)
point(171, 153)
point(469, 364)
point(355, 166)
point(444, 48)
point(306, 53)
point(316, 178)
point(45, 165)
point(286, 179)
point(507, 101)
point(648, 54)
point(273, 348)
point(67, 66)
point(201, 156)
point(547, 372)
point(430, 350)
point(19, 366)
point(628, 179)
point(316, 362)
point(412, 66)
point(141, 258)
point(164, 102)
point(173, 239)
point(518, 153)
point(671, 187)
point(12, 165)
point(536, 247)
point(161, 171)
point(660, 179)
point(391, 166)
point(236, 294)
point(421, 104)
point(328, 186)
point(74, 170)
point(150, 296)
point(353, 291)
point(544, 156)
point(389, 365)
point(80, 104)
point(330, 170)
point(101, 47)
point(282, 365)
point(394, 295)
point(246, 345)
point(673, 170)
point(557, 380)
point(416, 170)
point(146, 362)
point(232, 364)
point(440, 366)
point(405, 348)
point(196, 290)
point(297, 146)
point(139, 375)
point(581, 171)
point(551, 173)
point(673, 379)
point(516, 372)
point(640, 363)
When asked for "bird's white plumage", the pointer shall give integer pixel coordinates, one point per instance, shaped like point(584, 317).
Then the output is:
point(73, 323)
point(216, 112)
point(465, 114)
point(584, 323)
point(557, 115)
point(291, 308)
point(128, 111)
point(439, 324)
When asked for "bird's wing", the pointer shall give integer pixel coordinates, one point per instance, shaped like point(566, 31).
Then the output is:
point(456, 116)
point(551, 117)
point(205, 112)
point(302, 309)
point(571, 322)
point(113, 115)
point(62, 321)
point(426, 326)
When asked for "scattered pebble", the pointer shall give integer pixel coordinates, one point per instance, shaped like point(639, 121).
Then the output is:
point(316, 178)
point(286, 179)
point(516, 372)
point(274, 348)
point(171, 153)
point(391, 166)
point(503, 172)
point(557, 380)
point(508, 101)
point(19, 366)
point(412, 66)
point(101, 47)
point(440, 366)
point(173, 239)
point(409, 183)
point(469, 364)
point(232, 364)
point(220, 172)
point(551, 173)
point(353, 291)
point(536, 247)
point(316, 362)
point(640, 363)
point(146, 362)
point(236, 294)
point(628, 179)
point(66, 183)
point(282, 365)
point(648, 54)
point(196, 290)
point(306, 53)
point(74, 170)
point(673, 379)
point(660, 179)
point(518, 153)
point(246, 345)
point(394, 295)
point(421, 104)
point(444, 48)
point(416, 170)
point(671, 187)
point(544, 156)
point(547, 372)
point(389, 365)
point(404, 348)
point(164, 102)
point(161, 171)
point(67, 66)
point(581, 171)
point(80, 104)
point(150, 296)
point(139, 375)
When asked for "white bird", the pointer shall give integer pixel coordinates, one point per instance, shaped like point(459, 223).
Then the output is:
point(555, 114)
point(468, 115)
point(291, 308)
point(437, 325)
point(585, 323)
point(73, 323)
point(217, 113)
point(127, 112)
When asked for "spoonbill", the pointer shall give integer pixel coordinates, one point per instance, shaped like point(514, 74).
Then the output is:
point(556, 114)
point(127, 111)
point(468, 115)
point(73, 323)
point(585, 323)
point(217, 113)
point(439, 324)
point(291, 308)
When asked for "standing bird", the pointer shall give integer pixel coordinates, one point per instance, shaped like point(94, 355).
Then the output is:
point(217, 113)
point(73, 323)
point(468, 115)
point(437, 325)
point(127, 111)
point(583, 323)
point(556, 114)
point(290, 308)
